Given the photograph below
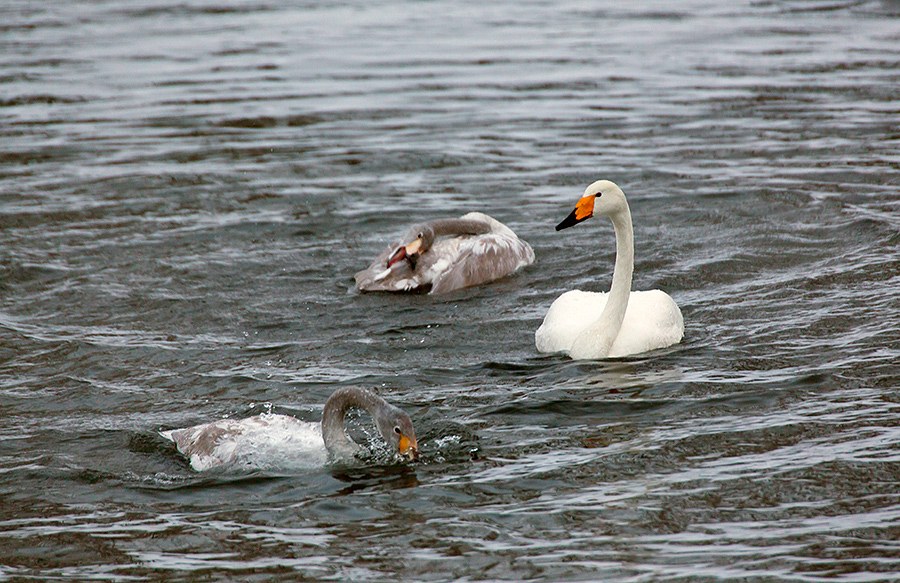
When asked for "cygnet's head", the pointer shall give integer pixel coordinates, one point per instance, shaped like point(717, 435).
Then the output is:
point(602, 198)
point(415, 248)
point(396, 428)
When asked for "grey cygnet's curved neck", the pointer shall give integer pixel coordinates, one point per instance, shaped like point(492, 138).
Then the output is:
point(458, 227)
point(341, 401)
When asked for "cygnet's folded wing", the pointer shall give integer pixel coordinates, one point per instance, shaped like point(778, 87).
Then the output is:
point(267, 441)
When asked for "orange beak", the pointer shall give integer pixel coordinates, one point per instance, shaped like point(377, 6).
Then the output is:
point(408, 447)
point(584, 209)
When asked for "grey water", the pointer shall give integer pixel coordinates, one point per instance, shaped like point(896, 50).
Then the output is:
point(187, 188)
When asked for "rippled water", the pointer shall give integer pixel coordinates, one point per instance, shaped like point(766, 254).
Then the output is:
point(186, 189)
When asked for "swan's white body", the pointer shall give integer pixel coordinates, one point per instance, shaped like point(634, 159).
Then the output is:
point(652, 320)
point(591, 325)
point(267, 442)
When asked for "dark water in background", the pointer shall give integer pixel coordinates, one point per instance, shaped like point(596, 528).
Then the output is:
point(186, 189)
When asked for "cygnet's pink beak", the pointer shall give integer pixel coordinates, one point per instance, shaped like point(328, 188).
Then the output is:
point(407, 251)
point(399, 255)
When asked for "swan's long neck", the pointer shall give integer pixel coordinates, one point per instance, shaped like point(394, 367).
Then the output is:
point(599, 337)
point(341, 401)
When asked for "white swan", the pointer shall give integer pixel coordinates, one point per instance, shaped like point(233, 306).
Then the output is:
point(272, 442)
point(591, 325)
point(448, 254)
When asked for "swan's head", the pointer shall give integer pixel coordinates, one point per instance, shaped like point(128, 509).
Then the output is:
point(414, 249)
point(396, 428)
point(600, 198)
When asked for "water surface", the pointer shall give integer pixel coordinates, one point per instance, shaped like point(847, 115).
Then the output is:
point(186, 189)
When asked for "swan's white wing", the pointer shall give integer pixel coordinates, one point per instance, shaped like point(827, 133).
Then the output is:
point(652, 320)
point(263, 442)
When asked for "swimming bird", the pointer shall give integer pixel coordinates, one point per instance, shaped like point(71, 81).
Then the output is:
point(448, 254)
point(271, 441)
point(592, 325)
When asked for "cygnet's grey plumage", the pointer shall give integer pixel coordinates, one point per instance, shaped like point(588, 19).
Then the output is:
point(457, 253)
point(271, 441)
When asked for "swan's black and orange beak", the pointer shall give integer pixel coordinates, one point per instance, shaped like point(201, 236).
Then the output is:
point(408, 447)
point(409, 252)
point(584, 210)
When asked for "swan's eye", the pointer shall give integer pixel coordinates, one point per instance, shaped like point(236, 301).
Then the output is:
point(397, 430)
point(420, 236)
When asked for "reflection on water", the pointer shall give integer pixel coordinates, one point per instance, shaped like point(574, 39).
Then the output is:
point(186, 190)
